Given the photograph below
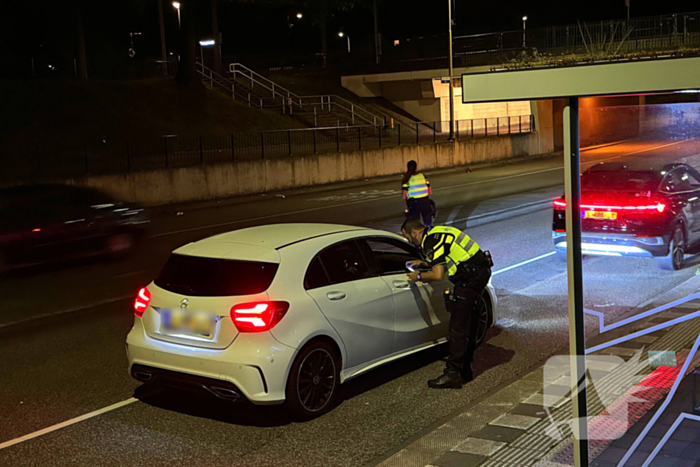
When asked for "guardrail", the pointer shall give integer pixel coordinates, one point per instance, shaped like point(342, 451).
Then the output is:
point(58, 161)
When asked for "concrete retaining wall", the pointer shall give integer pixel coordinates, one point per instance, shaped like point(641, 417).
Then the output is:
point(160, 187)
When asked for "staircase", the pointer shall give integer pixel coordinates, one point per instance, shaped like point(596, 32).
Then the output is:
point(322, 111)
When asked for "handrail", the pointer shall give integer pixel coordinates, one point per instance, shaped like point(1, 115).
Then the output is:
point(224, 83)
point(291, 99)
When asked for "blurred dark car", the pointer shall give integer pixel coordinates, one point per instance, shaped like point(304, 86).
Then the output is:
point(50, 222)
point(636, 210)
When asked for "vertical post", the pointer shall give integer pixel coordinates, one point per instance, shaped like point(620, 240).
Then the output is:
point(520, 123)
point(457, 130)
point(289, 141)
point(163, 55)
point(314, 131)
point(201, 151)
point(352, 108)
point(472, 127)
point(233, 148)
point(262, 144)
point(337, 137)
point(451, 91)
point(359, 138)
point(128, 157)
point(379, 130)
point(417, 134)
point(165, 140)
point(398, 127)
point(577, 337)
point(509, 125)
point(486, 127)
point(315, 117)
point(233, 91)
point(498, 125)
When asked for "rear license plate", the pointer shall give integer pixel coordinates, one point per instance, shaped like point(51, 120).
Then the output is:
point(196, 323)
point(600, 215)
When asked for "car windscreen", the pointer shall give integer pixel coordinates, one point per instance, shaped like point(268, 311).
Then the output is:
point(623, 180)
point(212, 277)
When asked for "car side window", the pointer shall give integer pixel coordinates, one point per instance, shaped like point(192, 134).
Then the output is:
point(390, 255)
point(316, 275)
point(344, 263)
point(670, 182)
point(691, 180)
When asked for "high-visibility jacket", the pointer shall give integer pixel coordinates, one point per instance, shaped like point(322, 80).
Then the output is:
point(448, 246)
point(417, 187)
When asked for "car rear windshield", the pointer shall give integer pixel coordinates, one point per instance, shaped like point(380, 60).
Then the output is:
point(212, 277)
point(620, 181)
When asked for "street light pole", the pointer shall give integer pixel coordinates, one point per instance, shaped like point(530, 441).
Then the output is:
point(451, 91)
point(164, 57)
point(176, 5)
point(524, 25)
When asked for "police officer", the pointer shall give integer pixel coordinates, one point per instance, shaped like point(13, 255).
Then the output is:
point(450, 252)
point(416, 191)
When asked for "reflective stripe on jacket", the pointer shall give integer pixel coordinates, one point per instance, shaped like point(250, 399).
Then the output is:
point(450, 246)
point(417, 186)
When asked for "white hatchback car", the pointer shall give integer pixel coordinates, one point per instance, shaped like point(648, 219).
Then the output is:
point(285, 313)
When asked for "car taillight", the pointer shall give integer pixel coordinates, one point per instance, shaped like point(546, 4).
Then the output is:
point(658, 207)
point(258, 316)
point(141, 302)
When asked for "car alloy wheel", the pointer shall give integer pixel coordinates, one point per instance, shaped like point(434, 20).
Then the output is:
point(673, 261)
point(313, 381)
point(484, 318)
point(678, 249)
point(316, 380)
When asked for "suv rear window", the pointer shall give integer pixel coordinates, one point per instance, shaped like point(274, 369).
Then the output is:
point(211, 277)
point(623, 180)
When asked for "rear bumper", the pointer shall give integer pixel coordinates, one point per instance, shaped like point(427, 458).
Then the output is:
point(598, 244)
point(254, 366)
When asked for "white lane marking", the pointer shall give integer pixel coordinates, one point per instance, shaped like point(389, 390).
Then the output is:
point(523, 263)
point(461, 185)
point(545, 203)
point(69, 310)
point(70, 422)
point(453, 214)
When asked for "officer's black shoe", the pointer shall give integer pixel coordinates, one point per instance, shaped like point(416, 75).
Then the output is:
point(448, 380)
point(467, 373)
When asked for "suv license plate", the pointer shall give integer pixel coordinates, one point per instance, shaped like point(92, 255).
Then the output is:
point(600, 215)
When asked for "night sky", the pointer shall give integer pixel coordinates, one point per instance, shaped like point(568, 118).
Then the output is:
point(31, 28)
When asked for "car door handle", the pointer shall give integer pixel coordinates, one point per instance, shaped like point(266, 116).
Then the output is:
point(335, 295)
point(402, 285)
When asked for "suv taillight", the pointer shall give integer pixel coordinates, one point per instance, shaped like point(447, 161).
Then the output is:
point(141, 302)
point(258, 316)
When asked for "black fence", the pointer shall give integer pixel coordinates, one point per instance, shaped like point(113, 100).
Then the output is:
point(67, 160)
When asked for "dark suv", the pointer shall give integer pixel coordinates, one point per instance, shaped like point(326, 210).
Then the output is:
point(636, 210)
point(49, 222)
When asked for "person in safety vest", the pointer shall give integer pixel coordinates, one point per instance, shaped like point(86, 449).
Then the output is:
point(416, 192)
point(450, 252)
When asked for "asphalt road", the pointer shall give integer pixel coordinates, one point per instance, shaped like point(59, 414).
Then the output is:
point(62, 332)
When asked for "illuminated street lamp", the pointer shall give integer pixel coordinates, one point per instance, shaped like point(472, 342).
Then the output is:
point(202, 44)
point(290, 25)
point(524, 24)
point(341, 34)
point(176, 5)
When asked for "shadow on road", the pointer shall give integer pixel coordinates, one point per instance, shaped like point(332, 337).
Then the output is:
point(244, 413)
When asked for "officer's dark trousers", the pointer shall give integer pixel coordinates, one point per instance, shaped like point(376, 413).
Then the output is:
point(464, 321)
point(420, 207)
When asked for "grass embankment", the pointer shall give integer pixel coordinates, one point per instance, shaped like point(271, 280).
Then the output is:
point(39, 112)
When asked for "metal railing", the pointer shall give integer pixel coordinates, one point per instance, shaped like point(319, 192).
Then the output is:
point(274, 95)
point(65, 160)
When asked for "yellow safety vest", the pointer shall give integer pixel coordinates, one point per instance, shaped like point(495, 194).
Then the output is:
point(459, 245)
point(417, 187)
